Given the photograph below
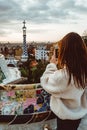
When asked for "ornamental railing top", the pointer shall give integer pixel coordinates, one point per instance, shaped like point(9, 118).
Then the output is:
point(24, 104)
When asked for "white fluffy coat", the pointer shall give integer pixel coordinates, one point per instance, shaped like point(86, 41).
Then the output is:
point(67, 101)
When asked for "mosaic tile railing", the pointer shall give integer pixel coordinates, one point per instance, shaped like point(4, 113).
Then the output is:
point(25, 104)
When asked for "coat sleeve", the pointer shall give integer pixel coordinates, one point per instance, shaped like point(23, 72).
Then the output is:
point(53, 80)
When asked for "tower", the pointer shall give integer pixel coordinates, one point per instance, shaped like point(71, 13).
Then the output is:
point(24, 56)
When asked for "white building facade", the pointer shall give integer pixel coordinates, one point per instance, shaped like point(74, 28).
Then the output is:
point(41, 53)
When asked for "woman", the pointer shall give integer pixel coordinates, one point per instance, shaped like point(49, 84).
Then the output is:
point(67, 85)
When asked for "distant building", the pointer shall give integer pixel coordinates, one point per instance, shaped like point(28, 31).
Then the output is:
point(18, 52)
point(24, 56)
point(11, 62)
point(41, 53)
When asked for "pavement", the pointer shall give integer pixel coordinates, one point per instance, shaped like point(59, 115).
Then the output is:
point(83, 123)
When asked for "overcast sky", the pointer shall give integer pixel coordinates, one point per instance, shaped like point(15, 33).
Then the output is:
point(46, 20)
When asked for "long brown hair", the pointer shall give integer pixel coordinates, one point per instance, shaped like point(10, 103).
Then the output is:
point(73, 54)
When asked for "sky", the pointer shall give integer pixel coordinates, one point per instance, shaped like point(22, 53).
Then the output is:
point(46, 20)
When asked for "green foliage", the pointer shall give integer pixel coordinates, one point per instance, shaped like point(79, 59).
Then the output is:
point(2, 76)
point(33, 73)
point(37, 71)
point(24, 72)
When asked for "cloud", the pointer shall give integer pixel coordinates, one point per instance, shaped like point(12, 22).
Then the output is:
point(8, 12)
point(37, 30)
point(40, 11)
point(13, 12)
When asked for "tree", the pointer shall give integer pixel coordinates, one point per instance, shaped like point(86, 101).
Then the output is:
point(84, 36)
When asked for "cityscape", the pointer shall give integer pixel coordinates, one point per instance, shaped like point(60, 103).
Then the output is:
point(30, 57)
point(26, 56)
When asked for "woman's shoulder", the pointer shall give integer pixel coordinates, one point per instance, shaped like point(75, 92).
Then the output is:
point(61, 75)
point(61, 72)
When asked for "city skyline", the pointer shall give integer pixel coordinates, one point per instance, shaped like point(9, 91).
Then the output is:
point(45, 20)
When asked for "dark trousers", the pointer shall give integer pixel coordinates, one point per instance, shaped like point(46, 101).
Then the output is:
point(67, 124)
